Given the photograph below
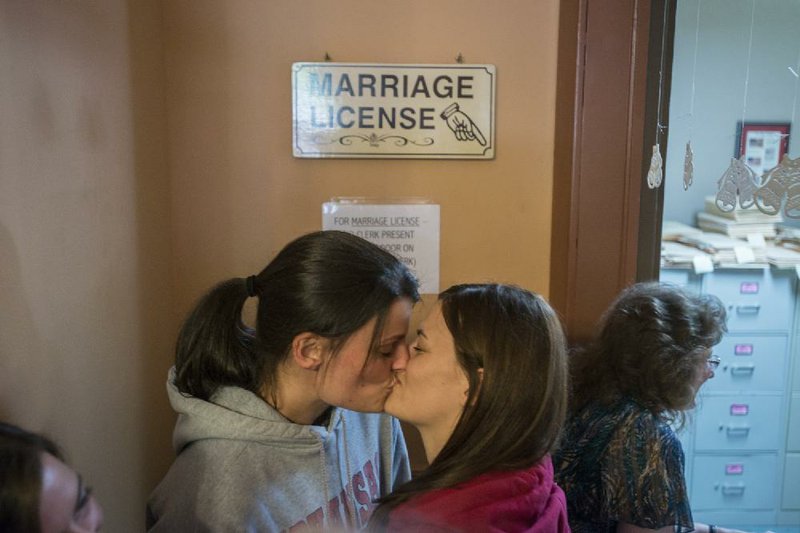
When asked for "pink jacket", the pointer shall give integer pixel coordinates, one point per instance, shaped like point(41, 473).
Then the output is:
point(518, 501)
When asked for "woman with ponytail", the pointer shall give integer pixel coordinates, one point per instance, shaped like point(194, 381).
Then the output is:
point(267, 438)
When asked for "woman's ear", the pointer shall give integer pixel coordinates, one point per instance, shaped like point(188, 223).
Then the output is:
point(308, 350)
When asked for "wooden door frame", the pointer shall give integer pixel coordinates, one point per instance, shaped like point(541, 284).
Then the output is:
point(614, 61)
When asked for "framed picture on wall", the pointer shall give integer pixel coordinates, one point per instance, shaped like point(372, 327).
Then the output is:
point(762, 144)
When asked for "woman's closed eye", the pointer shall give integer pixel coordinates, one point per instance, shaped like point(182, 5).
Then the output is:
point(418, 346)
point(388, 350)
point(82, 503)
point(84, 498)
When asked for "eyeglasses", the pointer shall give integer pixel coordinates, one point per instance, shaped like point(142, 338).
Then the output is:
point(713, 362)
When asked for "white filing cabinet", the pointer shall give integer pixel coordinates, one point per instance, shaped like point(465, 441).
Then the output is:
point(742, 443)
point(790, 489)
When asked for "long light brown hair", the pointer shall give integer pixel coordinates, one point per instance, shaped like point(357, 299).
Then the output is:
point(514, 413)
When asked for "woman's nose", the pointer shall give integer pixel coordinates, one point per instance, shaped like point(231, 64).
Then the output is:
point(92, 521)
point(401, 357)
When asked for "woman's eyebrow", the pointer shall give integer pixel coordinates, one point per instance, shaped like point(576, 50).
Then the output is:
point(421, 333)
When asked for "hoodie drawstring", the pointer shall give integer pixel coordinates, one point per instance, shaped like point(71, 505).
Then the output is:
point(324, 465)
point(352, 497)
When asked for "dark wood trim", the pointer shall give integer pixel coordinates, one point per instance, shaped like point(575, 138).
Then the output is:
point(659, 76)
point(568, 109)
point(604, 101)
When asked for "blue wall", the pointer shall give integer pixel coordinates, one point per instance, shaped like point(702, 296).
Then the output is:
point(720, 78)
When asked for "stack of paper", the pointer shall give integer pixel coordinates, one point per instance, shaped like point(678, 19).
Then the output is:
point(788, 237)
point(724, 250)
point(733, 228)
point(672, 230)
point(782, 257)
point(737, 223)
point(674, 254)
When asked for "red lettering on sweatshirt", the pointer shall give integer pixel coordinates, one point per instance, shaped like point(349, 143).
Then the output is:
point(363, 487)
point(314, 522)
point(372, 481)
point(362, 498)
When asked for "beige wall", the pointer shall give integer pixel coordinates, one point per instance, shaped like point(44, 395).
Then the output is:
point(237, 192)
point(85, 299)
point(146, 154)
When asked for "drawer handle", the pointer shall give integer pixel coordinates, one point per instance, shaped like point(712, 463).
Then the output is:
point(737, 432)
point(751, 309)
point(732, 490)
point(743, 369)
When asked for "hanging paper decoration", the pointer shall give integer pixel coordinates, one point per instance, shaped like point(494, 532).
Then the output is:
point(656, 173)
point(782, 181)
point(688, 158)
point(738, 180)
point(688, 167)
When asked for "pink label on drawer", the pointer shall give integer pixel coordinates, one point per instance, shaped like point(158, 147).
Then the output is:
point(739, 409)
point(743, 349)
point(748, 287)
point(735, 469)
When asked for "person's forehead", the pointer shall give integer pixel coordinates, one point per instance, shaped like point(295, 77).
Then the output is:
point(53, 469)
point(397, 318)
point(434, 324)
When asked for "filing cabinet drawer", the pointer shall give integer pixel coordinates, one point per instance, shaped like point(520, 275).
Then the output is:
point(793, 439)
point(676, 276)
point(750, 363)
point(734, 482)
point(791, 482)
point(755, 299)
point(738, 422)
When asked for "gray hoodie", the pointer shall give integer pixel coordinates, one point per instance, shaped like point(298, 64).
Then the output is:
point(241, 466)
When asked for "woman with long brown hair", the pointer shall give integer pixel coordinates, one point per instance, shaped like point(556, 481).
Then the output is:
point(486, 386)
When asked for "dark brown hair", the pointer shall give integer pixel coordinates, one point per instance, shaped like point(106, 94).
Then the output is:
point(329, 282)
point(21, 477)
point(513, 415)
point(649, 348)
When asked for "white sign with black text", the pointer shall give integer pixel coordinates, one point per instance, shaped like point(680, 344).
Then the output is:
point(393, 111)
point(409, 231)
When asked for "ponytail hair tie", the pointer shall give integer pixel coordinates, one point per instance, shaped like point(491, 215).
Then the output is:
point(251, 286)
